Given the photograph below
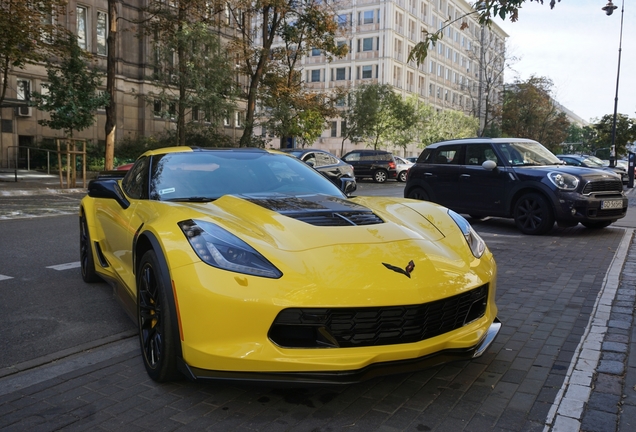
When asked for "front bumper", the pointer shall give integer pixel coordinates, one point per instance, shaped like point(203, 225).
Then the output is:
point(351, 376)
point(576, 207)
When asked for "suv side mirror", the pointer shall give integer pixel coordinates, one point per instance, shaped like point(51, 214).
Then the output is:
point(489, 165)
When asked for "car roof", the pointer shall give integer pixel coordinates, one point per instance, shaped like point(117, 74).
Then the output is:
point(482, 140)
point(187, 149)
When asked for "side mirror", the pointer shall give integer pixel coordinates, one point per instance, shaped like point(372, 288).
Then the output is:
point(489, 165)
point(348, 185)
point(108, 189)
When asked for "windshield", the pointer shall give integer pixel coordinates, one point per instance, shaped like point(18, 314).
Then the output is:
point(208, 175)
point(593, 161)
point(527, 153)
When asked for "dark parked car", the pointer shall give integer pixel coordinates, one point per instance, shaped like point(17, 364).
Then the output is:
point(376, 164)
point(326, 163)
point(593, 162)
point(515, 178)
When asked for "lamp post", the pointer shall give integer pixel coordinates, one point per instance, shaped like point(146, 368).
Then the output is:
point(609, 9)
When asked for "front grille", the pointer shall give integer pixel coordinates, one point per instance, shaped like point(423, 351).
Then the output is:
point(373, 326)
point(603, 186)
point(337, 218)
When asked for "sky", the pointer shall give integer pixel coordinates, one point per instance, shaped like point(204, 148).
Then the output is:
point(576, 46)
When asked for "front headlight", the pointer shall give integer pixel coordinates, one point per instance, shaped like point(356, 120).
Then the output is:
point(219, 248)
point(563, 180)
point(475, 242)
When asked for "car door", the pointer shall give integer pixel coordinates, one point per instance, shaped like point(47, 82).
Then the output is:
point(441, 174)
point(482, 192)
point(360, 166)
point(121, 225)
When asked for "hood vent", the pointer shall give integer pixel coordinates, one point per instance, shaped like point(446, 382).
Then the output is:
point(337, 219)
point(319, 210)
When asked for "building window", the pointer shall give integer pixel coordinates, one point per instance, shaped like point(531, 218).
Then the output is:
point(341, 20)
point(340, 101)
point(343, 127)
point(226, 120)
point(341, 74)
point(367, 72)
point(102, 32)
point(367, 44)
point(23, 89)
point(82, 33)
point(156, 108)
point(367, 17)
point(195, 113)
point(316, 52)
point(238, 118)
point(334, 129)
point(315, 75)
point(431, 89)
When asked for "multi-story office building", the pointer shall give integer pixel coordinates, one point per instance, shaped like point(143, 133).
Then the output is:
point(464, 64)
point(136, 115)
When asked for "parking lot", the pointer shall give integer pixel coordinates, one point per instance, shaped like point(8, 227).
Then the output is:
point(548, 298)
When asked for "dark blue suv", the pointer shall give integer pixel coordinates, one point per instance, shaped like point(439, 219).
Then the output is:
point(515, 178)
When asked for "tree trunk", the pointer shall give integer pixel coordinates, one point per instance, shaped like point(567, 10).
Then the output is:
point(111, 70)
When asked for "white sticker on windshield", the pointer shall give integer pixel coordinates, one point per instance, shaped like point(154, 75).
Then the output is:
point(166, 191)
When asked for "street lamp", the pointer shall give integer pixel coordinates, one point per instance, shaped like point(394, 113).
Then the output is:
point(609, 9)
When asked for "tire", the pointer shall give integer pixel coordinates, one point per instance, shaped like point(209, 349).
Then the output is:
point(597, 225)
point(533, 215)
point(402, 176)
point(87, 260)
point(418, 193)
point(380, 176)
point(157, 337)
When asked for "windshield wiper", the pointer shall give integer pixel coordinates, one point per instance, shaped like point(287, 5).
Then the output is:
point(192, 199)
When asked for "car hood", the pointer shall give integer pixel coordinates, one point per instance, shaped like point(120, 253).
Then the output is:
point(587, 173)
point(294, 223)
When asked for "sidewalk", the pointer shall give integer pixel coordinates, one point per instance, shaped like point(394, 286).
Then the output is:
point(32, 182)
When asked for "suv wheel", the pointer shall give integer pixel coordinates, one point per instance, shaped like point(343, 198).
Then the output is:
point(418, 193)
point(533, 215)
point(380, 176)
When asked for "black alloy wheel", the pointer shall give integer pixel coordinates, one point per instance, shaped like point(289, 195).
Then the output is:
point(156, 335)
point(380, 176)
point(87, 261)
point(402, 176)
point(533, 215)
point(418, 193)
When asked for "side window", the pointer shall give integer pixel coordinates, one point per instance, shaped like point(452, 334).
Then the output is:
point(476, 154)
point(447, 155)
point(352, 157)
point(322, 159)
point(135, 183)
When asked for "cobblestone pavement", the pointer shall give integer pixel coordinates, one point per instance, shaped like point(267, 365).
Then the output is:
point(565, 360)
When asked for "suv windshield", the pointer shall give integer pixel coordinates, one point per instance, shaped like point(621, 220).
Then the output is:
point(527, 153)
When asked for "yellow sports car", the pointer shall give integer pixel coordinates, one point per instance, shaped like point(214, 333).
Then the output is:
point(249, 264)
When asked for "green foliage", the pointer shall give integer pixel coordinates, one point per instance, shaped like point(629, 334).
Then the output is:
point(191, 70)
point(625, 132)
point(530, 112)
point(373, 114)
point(437, 126)
point(71, 98)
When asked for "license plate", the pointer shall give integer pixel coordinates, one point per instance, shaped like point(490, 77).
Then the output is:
point(612, 204)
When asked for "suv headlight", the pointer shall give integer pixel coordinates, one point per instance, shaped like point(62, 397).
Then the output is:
point(219, 248)
point(563, 180)
point(475, 242)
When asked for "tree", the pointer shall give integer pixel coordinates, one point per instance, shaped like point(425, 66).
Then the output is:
point(485, 12)
point(374, 113)
point(258, 24)
point(434, 126)
point(71, 96)
point(28, 32)
point(625, 132)
point(292, 110)
point(110, 127)
point(192, 71)
point(530, 112)
point(485, 94)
